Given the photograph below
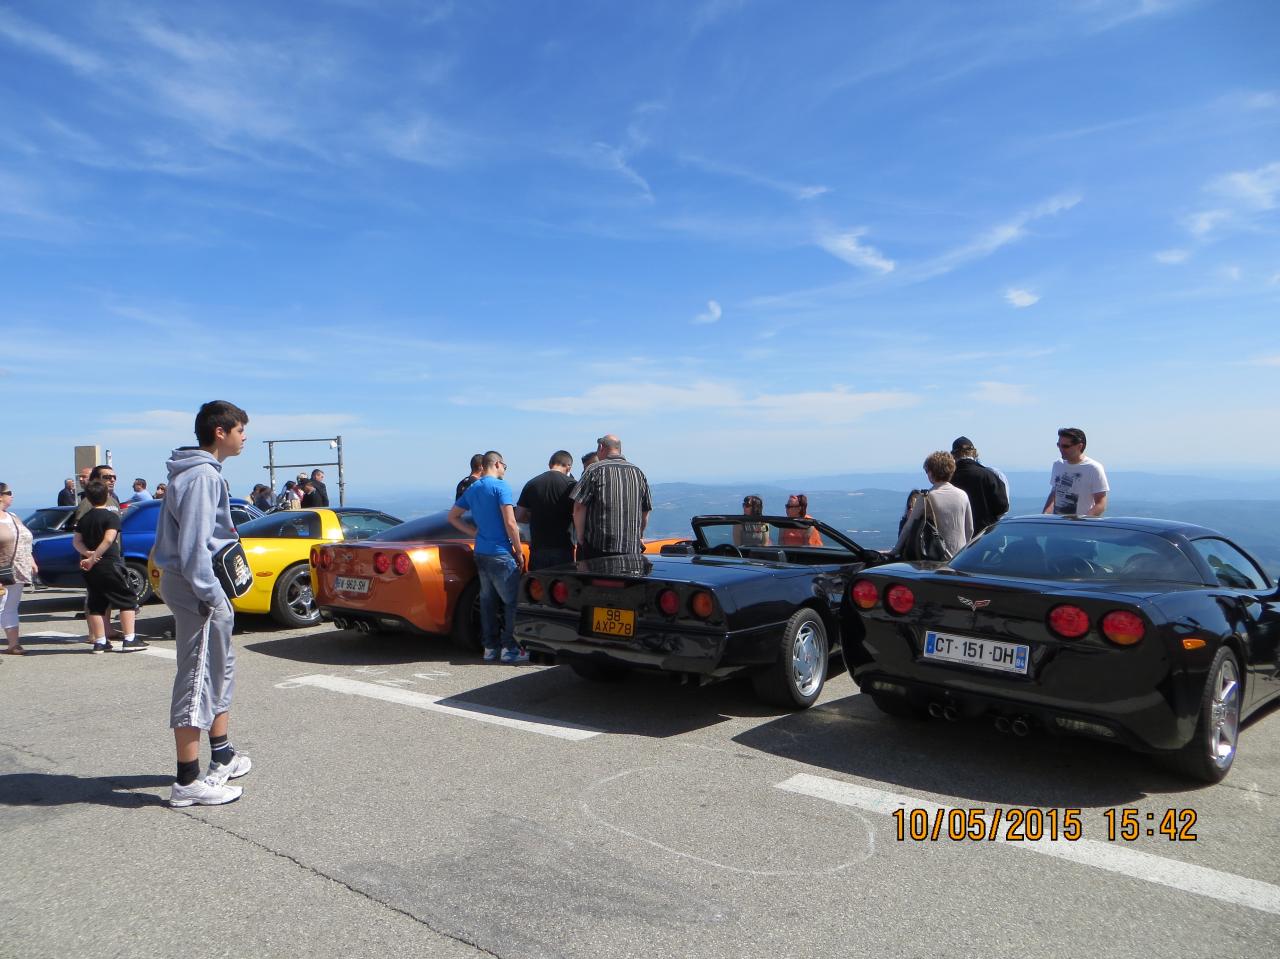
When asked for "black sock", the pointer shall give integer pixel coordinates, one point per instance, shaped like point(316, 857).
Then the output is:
point(222, 750)
point(188, 772)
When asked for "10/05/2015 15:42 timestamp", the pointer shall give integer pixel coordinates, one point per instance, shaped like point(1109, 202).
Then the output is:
point(980, 824)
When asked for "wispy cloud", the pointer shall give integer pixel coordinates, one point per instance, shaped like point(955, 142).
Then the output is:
point(797, 191)
point(38, 40)
point(838, 405)
point(1000, 235)
point(1020, 298)
point(178, 424)
point(1271, 359)
point(712, 313)
point(1001, 394)
point(847, 246)
point(1171, 257)
point(1254, 189)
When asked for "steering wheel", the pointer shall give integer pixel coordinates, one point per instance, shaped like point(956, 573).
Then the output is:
point(1074, 566)
point(725, 549)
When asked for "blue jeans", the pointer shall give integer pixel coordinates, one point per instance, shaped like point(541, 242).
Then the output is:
point(499, 581)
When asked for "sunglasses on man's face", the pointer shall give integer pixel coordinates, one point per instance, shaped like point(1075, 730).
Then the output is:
point(1068, 445)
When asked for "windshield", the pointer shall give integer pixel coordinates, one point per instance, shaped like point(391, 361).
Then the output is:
point(43, 520)
point(1075, 551)
point(433, 527)
point(777, 531)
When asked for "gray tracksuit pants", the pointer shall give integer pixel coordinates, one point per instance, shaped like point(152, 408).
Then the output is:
point(206, 676)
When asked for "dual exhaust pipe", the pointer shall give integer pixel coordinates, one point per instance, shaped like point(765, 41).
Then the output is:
point(359, 625)
point(1018, 726)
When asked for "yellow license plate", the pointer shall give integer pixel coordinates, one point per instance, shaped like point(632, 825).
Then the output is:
point(606, 621)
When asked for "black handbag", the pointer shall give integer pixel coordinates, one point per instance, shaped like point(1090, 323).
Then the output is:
point(926, 541)
point(7, 577)
point(231, 566)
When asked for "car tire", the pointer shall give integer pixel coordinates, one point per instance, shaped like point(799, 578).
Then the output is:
point(795, 680)
point(897, 706)
point(136, 574)
point(465, 631)
point(1208, 756)
point(292, 602)
point(599, 672)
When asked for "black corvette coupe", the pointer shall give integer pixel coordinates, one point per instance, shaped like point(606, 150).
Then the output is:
point(1156, 634)
point(746, 594)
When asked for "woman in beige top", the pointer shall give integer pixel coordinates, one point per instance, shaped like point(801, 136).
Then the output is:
point(15, 550)
point(948, 506)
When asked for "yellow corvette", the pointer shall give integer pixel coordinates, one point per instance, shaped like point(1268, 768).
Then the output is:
point(279, 549)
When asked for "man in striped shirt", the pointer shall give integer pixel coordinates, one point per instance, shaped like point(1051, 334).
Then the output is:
point(611, 504)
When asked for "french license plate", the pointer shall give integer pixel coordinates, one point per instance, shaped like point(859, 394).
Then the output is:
point(984, 653)
point(351, 584)
point(606, 621)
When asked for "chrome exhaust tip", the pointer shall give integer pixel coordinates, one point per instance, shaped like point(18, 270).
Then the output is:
point(1020, 726)
point(950, 713)
point(1003, 725)
point(935, 710)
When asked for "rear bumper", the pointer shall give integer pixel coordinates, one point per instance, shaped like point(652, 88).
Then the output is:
point(711, 653)
point(367, 621)
point(1145, 704)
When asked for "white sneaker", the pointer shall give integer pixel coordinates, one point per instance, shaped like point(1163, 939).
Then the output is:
point(203, 792)
point(239, 765)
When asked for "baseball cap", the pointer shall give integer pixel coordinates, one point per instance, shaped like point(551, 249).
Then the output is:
point(961, 443)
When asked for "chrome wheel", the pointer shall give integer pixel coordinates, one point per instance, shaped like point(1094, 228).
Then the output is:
point(292, 602)
point(299, 597)
point(1224, 714)
point(808, 659)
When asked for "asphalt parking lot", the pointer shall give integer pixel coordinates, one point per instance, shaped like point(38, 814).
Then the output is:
point(408, 800)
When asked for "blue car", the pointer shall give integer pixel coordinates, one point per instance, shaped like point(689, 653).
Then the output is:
point(60, 563)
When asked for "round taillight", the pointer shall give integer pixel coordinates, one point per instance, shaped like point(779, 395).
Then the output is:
point(668, 602)
point(559, 592)
point(401, 564)
point(701, 604)
point(1069, 622)
point(535, 590)
point(864, 593)
point(326, 559)
point(1123, 628)
point(900, 599)
point(381, 563)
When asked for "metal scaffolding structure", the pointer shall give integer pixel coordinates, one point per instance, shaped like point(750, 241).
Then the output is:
point(335, 443)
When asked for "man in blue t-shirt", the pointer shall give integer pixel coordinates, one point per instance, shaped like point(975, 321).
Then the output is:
point(498, 555)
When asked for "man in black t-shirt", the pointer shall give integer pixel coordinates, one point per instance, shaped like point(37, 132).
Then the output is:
point(477, 470)
point(97, 540)
point(546, 504)
point(322, 491)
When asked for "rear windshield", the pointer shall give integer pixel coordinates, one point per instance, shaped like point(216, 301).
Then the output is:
point(45, 519)
point(1075, 551)
point(433, 528)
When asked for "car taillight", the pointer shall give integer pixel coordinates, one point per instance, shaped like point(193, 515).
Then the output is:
point(1069, 622)
point(326, 559)
point(900, 599)
point(668, 602)
point(401, 564)
point(535, 590)
point(559, 592)
point(1123, 628)
point(381, 563)
point(864, 593)
point(701, 604)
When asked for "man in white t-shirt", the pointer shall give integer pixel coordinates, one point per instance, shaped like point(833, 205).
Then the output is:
point(1079, 485)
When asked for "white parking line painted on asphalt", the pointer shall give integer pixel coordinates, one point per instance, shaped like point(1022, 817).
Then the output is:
point(1211, 883)
point(405, 697)
point(161, 651)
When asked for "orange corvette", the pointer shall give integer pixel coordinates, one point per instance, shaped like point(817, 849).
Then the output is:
point(417, 576)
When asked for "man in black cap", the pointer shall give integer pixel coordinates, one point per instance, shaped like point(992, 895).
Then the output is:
point(988, 494)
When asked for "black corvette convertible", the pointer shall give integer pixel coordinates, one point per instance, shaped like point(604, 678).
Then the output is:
point(746, 594)
point(1155, 634)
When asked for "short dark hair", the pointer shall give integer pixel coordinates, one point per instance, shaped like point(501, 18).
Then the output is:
point(317, 472)
point(1073, 433)
point(217, 413)
point(589, 458)
point(142, 481)
point(96, 493)
point(477, 461)
point(492, 459)
point(97, 470)
point(560, 458)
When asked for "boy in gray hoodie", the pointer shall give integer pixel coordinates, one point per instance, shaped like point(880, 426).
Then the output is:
point(195, 523)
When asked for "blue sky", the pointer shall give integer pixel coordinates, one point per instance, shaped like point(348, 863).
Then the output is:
point(755, 239)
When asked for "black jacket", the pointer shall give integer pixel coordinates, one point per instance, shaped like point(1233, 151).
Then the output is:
point(987, 495)
point(322, 493)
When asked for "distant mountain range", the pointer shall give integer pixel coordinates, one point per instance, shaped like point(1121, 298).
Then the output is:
point(869, 505)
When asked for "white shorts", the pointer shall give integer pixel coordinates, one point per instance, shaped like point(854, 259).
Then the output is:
point(9, 606)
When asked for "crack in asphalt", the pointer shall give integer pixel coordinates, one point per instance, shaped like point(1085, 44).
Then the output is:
point(28, 752)
point(345, 885)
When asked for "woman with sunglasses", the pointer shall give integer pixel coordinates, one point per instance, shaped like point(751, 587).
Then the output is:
point(15, 552)
point(798, 508)
point(751, 534)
